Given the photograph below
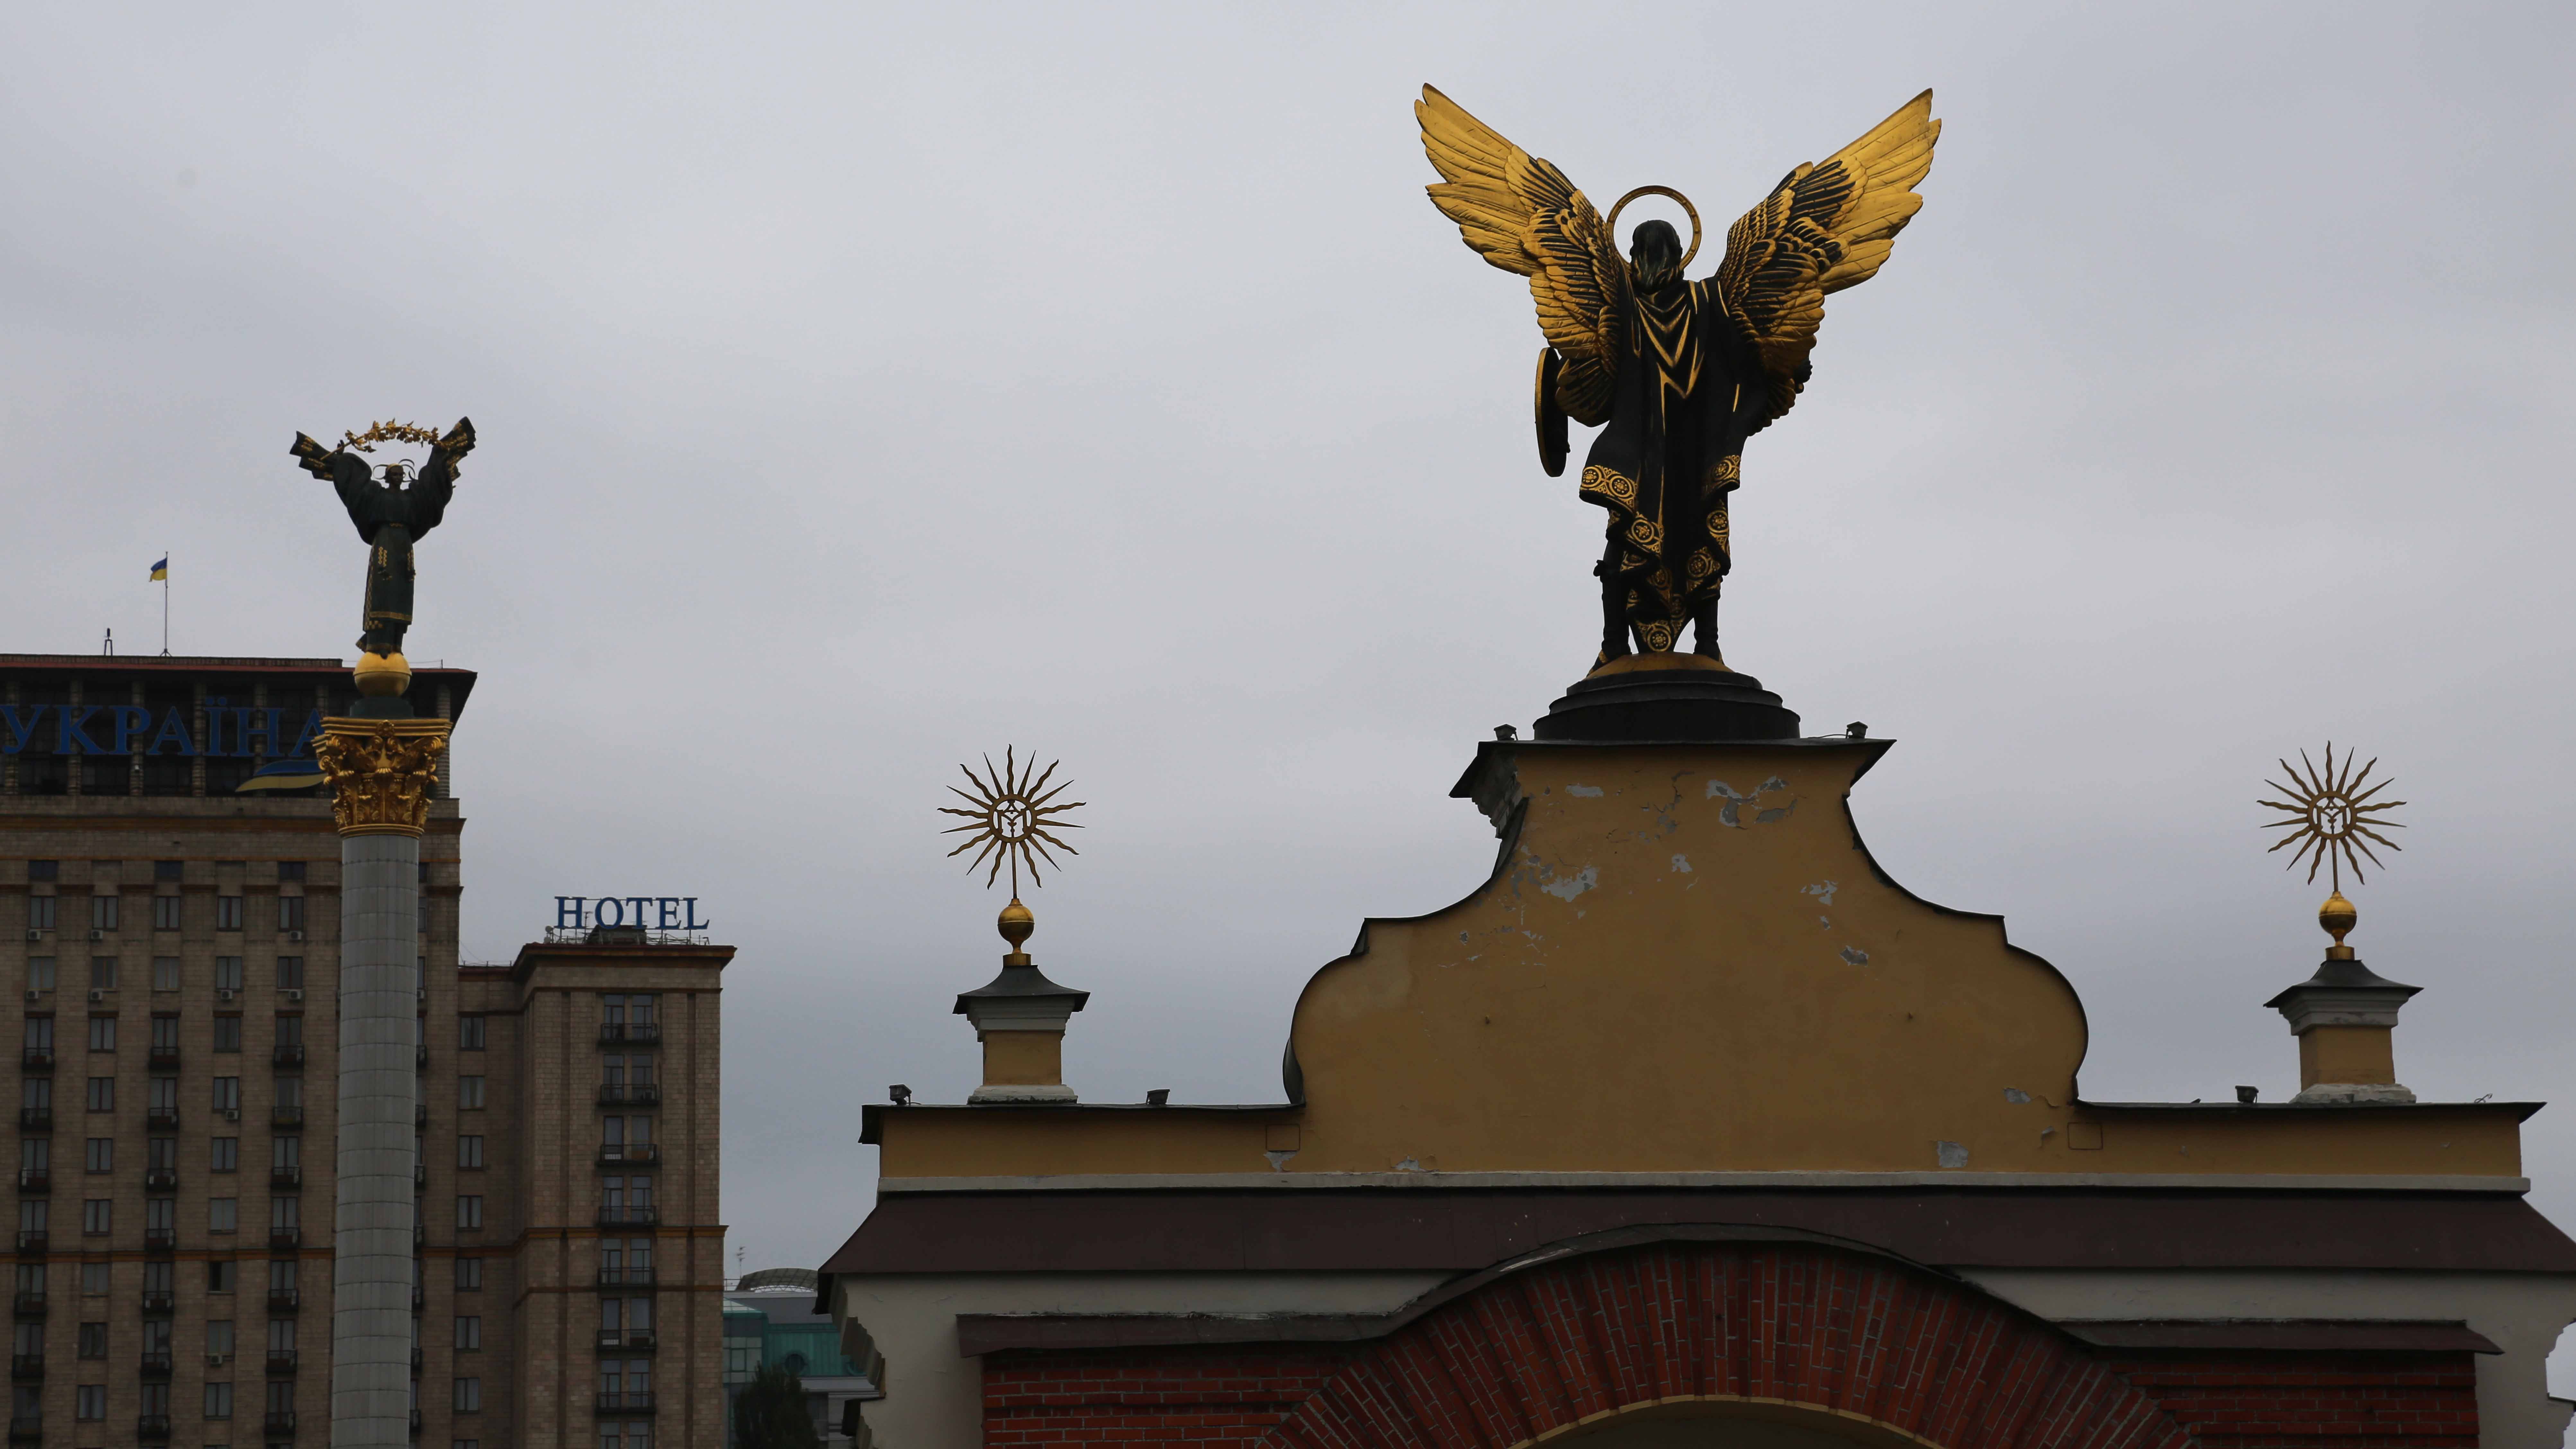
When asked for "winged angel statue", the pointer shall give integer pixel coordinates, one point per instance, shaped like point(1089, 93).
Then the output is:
point(1680, 372)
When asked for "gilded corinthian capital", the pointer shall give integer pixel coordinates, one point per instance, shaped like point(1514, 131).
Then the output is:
point(382, 772)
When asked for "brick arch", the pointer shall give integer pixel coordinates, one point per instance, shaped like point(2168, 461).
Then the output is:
point(1890, 1351)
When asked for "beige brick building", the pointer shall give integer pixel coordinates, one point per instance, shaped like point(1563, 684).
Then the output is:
point(172, 945)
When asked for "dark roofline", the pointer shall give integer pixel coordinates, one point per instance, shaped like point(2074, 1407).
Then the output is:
point(535, 951)
point(460, 682)
point(872, 1114)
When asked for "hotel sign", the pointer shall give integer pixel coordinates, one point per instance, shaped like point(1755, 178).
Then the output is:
point(653, 913)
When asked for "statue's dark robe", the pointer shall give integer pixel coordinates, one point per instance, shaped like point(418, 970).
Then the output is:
point(389, 519)
point(1689, 391)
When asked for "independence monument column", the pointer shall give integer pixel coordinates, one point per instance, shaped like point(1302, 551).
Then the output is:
point(382, 766)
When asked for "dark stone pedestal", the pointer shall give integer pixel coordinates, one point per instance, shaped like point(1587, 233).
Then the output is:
point(1633, 700)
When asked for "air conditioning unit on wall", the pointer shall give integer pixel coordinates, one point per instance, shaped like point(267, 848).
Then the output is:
point(295, 993)
point(98, 996)
point(35, 933)
point(295, 935)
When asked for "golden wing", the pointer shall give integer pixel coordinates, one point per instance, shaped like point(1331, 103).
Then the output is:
point(1825, 227)
point(1522, 215)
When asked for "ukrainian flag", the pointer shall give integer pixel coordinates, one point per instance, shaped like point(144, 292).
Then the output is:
point(161, 570)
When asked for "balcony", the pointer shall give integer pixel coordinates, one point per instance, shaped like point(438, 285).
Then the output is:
point(285, 1237)
point(627, 1403)
point(160, 1240)
point(31, 1240)
point(610, 1338)
point(278, 1422)
point(36, 1180)
point(289, 1055)
point(622, 1216)
point(642, 1094)
point(36, 1059)
point(26, 1428)
point(30, 1305)
point(156, 1366)
point(287, 1300)
point(281, 1362)
point(632, 1031)
point(612, 1155)
point(283, 1115)
point(152, 1426)
point(162, 1056)
point(161, 1179)
point(286, 1177)
point(162, 1119)
point(625, 1277)
point(35, 1119)
point(25, 1366)
point(159, 1303)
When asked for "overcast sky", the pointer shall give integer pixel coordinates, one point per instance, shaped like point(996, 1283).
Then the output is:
point(865, 388)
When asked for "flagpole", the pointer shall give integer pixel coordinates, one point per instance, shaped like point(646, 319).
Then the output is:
point(165, 603)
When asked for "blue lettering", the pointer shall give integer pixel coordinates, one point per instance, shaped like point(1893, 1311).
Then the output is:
point(67, 730)
point(669, 909)
point(124, 723)
point(576, 907)
point(605, 902)
point(260, 725)
point(20, 730)
point(693, 924)
point(174, 732)
point(638, 903)
point(304, 741)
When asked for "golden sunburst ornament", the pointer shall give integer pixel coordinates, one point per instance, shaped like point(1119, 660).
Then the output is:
point(1013, 818)
point(2332, 819)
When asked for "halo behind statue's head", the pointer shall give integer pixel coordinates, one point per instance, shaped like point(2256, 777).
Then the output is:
point(388, 432)
point(1612, 225)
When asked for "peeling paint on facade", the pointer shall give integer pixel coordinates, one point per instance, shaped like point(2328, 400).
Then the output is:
point(1573, 885)
point(2016, 1096)
point(1950, 1155)
point(1822, 890)
point(1584, 792)
point(1681, 865)
point(1855, 955)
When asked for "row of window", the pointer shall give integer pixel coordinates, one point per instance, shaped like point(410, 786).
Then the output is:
point(89, 1402)
point(161, 1154)
point(41, 975)
point(162, 1095)
point(40, 870)
point(470, 1032)
point(165, 1031)
point(161, 1215)
point(106, 913)
point(621, 1200)
point(223, 1275)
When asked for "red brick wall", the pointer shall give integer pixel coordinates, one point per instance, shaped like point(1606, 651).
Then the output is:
point(2282, 1401)
point(1537, 1351)
point(1177, 1396)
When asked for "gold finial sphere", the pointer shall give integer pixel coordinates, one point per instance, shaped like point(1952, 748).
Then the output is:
point(1016, 923)
point(379, 675)
point(2338, 917)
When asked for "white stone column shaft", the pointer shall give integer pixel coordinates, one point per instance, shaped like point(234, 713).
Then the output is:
point(371, 1270)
